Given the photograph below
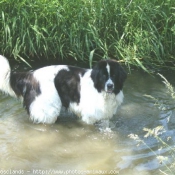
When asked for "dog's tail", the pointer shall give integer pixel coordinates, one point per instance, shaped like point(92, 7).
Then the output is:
point(5, 72)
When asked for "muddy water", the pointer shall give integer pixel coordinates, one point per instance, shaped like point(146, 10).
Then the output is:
point(71, 147)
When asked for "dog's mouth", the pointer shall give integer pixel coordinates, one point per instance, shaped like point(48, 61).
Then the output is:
point(109, 91)
point(109, 87)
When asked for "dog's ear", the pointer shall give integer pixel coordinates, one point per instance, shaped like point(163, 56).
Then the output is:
point(122, 76)
point(95, 71)
point(96, 74)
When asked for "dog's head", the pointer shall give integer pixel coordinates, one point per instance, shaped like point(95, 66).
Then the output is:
point(108, 76)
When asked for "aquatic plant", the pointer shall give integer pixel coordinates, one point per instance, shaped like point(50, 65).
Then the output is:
point(139, 32)
point(166, 161)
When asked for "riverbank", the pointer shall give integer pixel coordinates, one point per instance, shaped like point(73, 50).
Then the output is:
point(139, 32)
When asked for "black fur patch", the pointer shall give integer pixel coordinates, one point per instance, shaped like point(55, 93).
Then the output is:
point(25, 85)
point(118, 75)
point(67, 84)
point(100, 75)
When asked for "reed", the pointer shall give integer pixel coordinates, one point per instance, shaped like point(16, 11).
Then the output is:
point(137, 32)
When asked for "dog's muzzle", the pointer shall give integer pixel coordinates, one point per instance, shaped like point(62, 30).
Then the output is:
point(110, 87)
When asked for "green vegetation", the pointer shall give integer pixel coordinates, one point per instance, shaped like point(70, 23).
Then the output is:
point(137, 32)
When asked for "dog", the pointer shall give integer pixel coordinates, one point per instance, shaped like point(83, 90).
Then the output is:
point(92, 94)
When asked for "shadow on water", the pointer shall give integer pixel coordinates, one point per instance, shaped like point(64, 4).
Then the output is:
point(71, 145)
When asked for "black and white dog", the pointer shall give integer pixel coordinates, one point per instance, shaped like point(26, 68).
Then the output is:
point(92, 94)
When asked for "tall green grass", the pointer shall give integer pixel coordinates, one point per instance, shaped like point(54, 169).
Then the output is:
point(138, 32)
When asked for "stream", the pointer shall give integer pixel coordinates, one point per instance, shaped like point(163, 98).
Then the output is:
point(72, 147)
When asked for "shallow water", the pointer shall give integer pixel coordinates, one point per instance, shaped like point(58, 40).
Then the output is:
point(71, 147)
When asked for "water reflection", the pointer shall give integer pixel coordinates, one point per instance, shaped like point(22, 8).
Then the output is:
point(71, 145)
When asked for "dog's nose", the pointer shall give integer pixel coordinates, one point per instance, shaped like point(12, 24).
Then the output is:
point(110, 86)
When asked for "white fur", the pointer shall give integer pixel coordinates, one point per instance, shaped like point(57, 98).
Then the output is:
point(5, 77)
point(109, 80)
point(108, 69)
point(93, 105)
point(46, 107)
